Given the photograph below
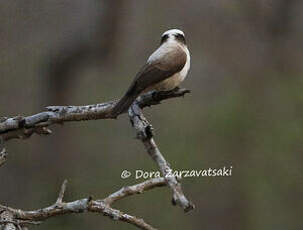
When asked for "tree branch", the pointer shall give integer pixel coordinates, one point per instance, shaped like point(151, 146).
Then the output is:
point(21, 127)
point(7, 220)
point(145, 134)
point(134, 189)
point(61, 194)
point(20, 217)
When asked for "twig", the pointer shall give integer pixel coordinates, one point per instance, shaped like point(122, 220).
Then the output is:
point(23, 127)
point(20, 222)
point(145, 134)
point(134, 189)
point(21, 217)
point(62, 191)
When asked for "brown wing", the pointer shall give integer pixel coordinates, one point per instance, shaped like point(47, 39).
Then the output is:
point(150, 74)
point(160, 69)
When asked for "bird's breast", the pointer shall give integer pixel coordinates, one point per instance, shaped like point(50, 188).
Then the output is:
point(184, 71)
point(176, 79)
point(173, 81)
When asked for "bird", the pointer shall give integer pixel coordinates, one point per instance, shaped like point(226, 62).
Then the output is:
point(164, 70)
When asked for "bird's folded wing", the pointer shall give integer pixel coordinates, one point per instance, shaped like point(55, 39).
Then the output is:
point(159, 69)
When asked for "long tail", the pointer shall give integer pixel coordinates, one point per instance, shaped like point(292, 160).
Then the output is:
point(125, 102)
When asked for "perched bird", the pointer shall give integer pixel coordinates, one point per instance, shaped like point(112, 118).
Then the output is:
point(164, 70)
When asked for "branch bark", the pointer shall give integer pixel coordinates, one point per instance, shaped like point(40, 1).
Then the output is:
point(3, 156)
point(3, 153)
point(7, 220)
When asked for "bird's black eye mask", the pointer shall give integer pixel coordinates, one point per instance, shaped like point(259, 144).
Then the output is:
point(180, 38)
point(164, 38)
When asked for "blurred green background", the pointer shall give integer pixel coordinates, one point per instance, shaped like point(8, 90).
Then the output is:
point(245, 109)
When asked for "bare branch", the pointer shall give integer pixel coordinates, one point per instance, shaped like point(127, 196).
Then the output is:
point(20, 217)
point(62, 191)
point(23, 127)
point(7, 218)
point(145, 134)
point(20, 222)
point(135, 189)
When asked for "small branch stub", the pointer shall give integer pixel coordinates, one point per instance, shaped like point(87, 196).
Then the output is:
point(61, 193)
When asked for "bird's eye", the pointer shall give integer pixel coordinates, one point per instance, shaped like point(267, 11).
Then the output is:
point(180, 38)
point(164, 38)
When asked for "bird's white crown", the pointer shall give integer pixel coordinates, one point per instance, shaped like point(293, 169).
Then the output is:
point(173, 31)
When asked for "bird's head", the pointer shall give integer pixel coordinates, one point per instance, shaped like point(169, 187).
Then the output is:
point(173, 34)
